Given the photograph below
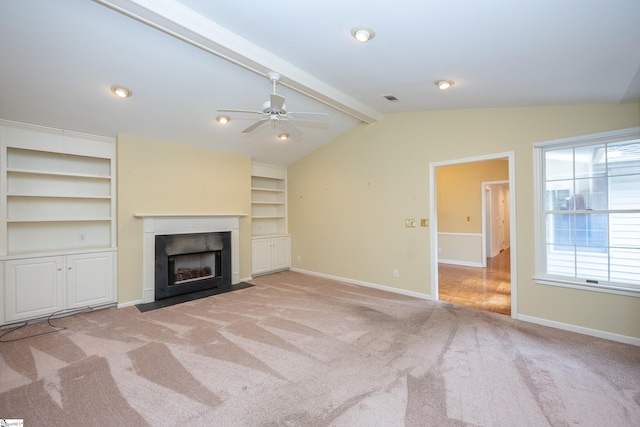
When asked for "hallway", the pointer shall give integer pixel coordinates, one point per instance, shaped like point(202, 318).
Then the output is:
point(486, 289)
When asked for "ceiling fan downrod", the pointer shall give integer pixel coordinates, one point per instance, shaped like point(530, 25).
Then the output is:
point(275, 78)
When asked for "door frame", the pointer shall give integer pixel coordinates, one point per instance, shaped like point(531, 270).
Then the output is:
point(486, 221)
point(433, 213)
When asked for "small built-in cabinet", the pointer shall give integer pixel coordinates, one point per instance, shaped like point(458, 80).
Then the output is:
point(33, 288)
point(271, 254)
point(270, 244)
point(57, 220)
point(36, 287)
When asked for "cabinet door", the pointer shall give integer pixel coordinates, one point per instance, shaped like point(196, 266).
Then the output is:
point(260, 256)
point(33, 287)
point(89, 279)
point(280, 256)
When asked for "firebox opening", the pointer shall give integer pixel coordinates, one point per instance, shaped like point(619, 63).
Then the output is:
point(194, 262)
point(185, 268)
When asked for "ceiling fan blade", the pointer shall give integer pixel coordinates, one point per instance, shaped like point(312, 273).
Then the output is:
point(255, 125)
point(277, 102)
point(238, 111)
point(290, 128)
point(313, 117)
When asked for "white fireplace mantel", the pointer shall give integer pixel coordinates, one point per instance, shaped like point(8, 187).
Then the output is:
point(162, 224)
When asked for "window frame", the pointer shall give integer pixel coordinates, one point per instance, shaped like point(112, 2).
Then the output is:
point(540, 226)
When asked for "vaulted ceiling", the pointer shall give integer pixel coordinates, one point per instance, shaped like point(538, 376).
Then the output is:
point(186, 59)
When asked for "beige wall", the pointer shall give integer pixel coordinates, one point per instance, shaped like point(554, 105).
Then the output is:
point(459, 193)
point(159, 177)
point(348, 201)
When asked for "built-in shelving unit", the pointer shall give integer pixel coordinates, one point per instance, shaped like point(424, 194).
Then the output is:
point(57, 216)
point(57, 201)
point(271, 243)
point(268, 200)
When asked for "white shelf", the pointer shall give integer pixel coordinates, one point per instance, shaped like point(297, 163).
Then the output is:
point(42, 161)
point(74, 175)
point(69, 219)
point(58, 196)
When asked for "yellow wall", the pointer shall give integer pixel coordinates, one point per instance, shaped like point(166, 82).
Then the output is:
point(158, 177)
point(348, 201)
point(459, 193)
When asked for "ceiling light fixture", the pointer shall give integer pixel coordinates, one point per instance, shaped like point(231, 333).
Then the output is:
point(363, 34)
point(223, 119)
point(283, 136)
point(444, 84)
point(121, 91)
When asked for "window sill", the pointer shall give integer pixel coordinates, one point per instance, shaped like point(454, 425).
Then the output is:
point(620, 289)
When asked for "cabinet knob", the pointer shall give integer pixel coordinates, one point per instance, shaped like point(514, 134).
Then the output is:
point(69, 268)
point(59, 268)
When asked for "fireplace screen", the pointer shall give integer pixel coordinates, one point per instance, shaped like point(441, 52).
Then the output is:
point(192, 262)
point(187, 268)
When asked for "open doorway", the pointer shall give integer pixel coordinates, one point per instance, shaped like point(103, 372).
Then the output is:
point(473, 232)
point(496, 236)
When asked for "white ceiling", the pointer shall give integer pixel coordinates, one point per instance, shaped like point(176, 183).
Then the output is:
point(60, 58)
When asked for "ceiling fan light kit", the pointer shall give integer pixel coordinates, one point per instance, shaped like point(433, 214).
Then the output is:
point(283, 136)
point(363, 34)
point(223, 119)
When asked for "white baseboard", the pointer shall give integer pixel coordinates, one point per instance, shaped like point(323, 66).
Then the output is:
point(129, 303)
point(367, 284)
point(462, 263)
point(544, 322)
point(581, 330)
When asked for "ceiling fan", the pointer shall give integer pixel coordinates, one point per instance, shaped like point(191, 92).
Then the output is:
point(275, 112)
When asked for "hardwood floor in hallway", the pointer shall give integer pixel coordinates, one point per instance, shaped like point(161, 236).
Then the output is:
point(486, 289)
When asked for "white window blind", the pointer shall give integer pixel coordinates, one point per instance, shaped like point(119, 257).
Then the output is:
point(588, 212)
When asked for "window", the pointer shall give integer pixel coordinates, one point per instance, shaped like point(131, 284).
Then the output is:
point(588, 212)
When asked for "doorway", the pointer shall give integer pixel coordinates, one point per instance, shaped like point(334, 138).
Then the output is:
point(496, 236)
point(474, 246)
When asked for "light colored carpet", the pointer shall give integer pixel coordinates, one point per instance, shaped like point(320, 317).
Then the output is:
point(297, 350)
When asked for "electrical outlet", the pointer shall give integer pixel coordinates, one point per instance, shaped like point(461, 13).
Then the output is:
point(396, 273)
point(424, 222)
point(468, 218)
point(299, 258)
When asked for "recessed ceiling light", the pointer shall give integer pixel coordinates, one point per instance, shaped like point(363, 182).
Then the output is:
point(121, 91)
point(283, 136)
point(363, 34)
point(223, 119)
point(444, 84)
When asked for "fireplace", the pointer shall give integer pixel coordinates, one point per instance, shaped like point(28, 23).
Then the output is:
point(159, 224)
point(186, 263)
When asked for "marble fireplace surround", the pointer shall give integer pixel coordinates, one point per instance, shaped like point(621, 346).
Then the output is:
point(162, 224)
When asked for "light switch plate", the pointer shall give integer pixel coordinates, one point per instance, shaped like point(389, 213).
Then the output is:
point(410, 222)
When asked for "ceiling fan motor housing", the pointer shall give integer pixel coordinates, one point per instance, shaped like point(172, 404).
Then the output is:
point(266, 108)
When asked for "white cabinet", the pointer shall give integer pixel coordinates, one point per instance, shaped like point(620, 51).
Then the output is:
point(270, 254)
point(36, 287)
point(89, 279)
point(57, 220)
point(33, 287)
